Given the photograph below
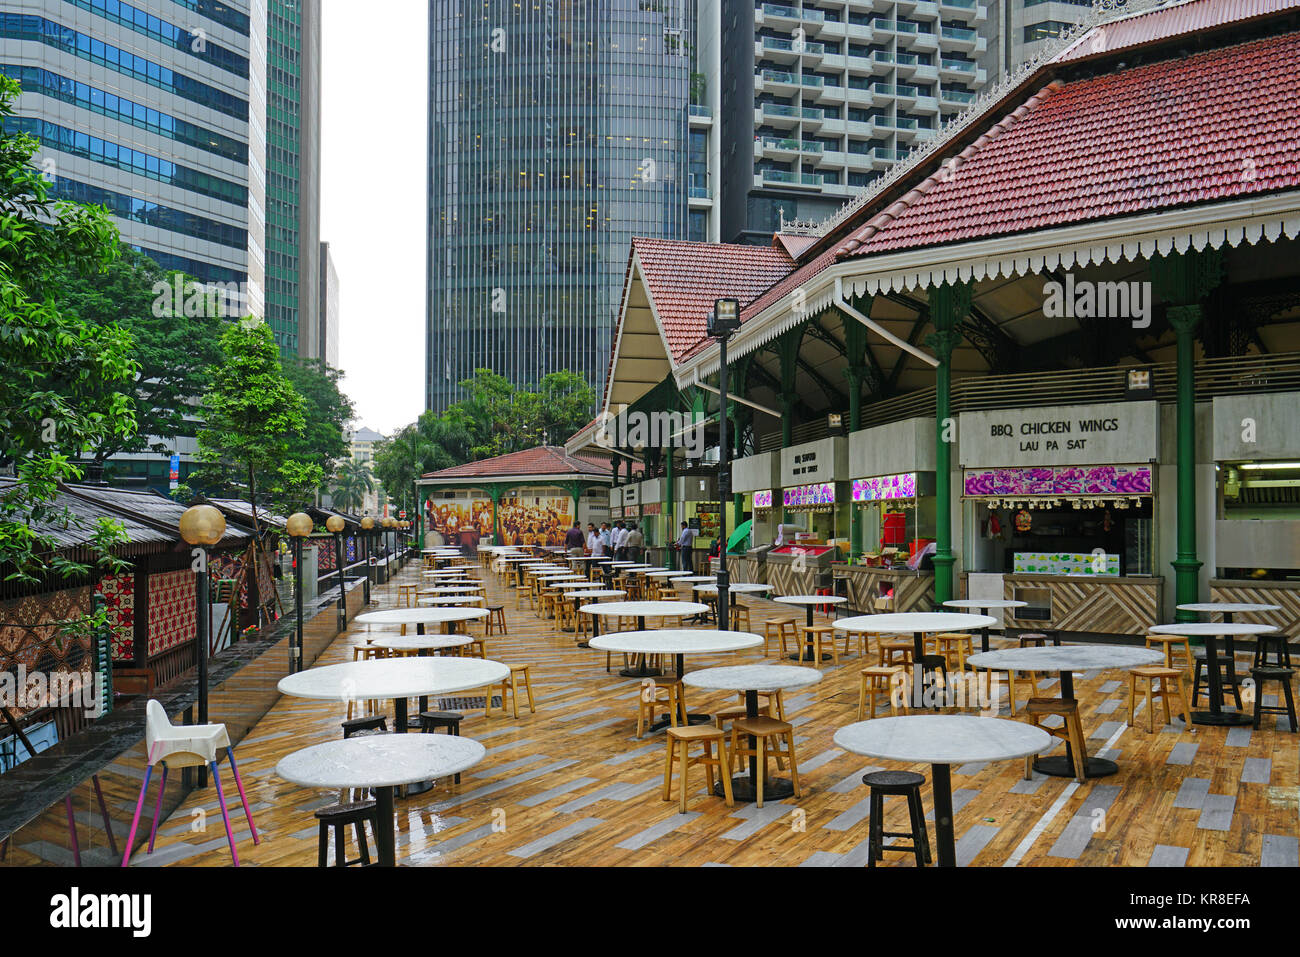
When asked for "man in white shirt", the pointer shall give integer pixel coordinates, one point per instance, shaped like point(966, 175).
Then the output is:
point(595, 544)
point(620, 542)
point(686, 546)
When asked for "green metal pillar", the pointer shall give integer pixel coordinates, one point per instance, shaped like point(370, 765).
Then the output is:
point(669, 510)
point(855, 347)
point(1184, 281)
point(949, 306)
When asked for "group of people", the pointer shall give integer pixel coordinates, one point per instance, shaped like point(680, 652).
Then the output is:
point(622, 541)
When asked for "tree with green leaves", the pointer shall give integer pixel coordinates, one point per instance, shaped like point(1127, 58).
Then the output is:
point(323, 441)
point(175, 343)
point(64, 383)
point(253, 417)
point(354, 483)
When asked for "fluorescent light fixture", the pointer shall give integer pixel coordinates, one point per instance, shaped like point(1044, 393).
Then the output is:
point(1264, 466)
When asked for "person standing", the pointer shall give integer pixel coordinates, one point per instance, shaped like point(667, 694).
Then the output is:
point(620, 541)
point(685, 543)
point(573, 540)
point(606, 538)
point(635, 543)
point(595, 547)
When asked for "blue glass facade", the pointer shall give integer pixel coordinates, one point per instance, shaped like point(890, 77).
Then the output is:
point(557, 132)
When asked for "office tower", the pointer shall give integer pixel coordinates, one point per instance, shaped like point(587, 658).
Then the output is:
point(328, 309)
point(557, 132)
point(1030, 26)
point(156, 112)
point(827, 96)
point(293, 63)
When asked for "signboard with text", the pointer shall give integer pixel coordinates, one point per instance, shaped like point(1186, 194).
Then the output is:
point(1115, 432)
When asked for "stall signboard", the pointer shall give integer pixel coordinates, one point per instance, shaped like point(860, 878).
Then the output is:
point(763, 499)
point(1065, 563)
point(884, 488)
point(1061, 481)
point(652, 508)
point(630, 495)
point(1060, 435)
point(615, 513)
point(821, 494)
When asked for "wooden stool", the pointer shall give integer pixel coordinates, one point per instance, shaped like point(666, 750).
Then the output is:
point(774, 699)
point(1229, 680)
point(496, 619)
point(431, 721)
point(355, 726)
point(475, 649)
point(780, 628)
point(679, 745)
point(546, 605)
point(761, 729)
point(1166, 643)
point(1151, 674)
point(863, 639)
point(1277, 644)
point(882, 784)
point(814, 635)
point(879, 679)
point(1071, 732)
point(406, 595)
point(511, 684)
point(895, 646)
point(1032, 639)
point(1283, 676)
point(651, 695)
point(740, 618)
point(338, 817)
point(723, 715)
point(946, 642)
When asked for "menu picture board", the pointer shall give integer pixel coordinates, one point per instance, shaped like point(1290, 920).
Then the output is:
point(1064, 563)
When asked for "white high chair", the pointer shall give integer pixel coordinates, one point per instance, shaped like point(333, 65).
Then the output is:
point(185, 746)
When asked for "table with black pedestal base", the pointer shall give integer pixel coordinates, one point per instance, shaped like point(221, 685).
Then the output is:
point(919, 623)
point(982, 606)
point(677, 642)
point(1211, 630)
point(1065, 660)
point(381, 762)
point(942, 740)
point(579, 596)
point(811, 601)
point(752, 679)
point(641, 610)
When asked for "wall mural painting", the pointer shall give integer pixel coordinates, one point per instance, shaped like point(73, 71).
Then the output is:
point(524, 520)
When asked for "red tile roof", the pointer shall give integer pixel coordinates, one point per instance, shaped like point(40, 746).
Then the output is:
point(1212, 126)
point(684, 279)
point(543, 460)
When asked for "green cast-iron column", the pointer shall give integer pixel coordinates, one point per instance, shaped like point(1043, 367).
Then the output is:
point(855, 347)
point(1184, 281)
point(948, 307)
point(669, 511)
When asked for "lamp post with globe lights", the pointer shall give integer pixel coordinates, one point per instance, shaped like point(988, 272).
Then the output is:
point(723, 322)
point(367, 527)
point(335, 524)
point(299, 526)
point(202, 526)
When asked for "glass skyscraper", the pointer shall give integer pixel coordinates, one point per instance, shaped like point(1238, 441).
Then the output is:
point(557, 132)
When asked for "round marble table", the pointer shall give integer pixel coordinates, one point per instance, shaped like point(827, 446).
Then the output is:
point(919, 623)
point(810, 601)
point(942, 740)
point(1211, 630)
point(579, 595)
point(642, 610)
point(421, 642)
point(678, 642)
point(449, 599)
point(982, 606)
point(419, 617)
point(452, 589)
point(1228, 608)
point(394, 679)
point(1065, 660)
point(751, 679)
point(381, 762)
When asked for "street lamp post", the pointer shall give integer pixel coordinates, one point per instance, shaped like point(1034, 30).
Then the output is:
point(202, 526)
point(299, 526)
point(723, 321)
point(335, 524)
point(367, 526)
point(388, 523)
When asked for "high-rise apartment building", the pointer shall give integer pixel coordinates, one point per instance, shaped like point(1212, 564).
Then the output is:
point(814, 101)
point(293, 52)
point(328, 308)
point(557, 132)
point(154, 109)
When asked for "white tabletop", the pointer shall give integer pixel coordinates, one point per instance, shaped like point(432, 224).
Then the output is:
point(419, 616)
point(584, 558)
point(595, 593)
point(736, 588)
point(810, 599)
point(448, 600)
point(667, 574)
point(984, 603)
point(676, 641)
point(449, 589)
point(421, 642)
point(1231, 607)
point(651, 609)
point(696, 578)
point(752, 678)
point(914, 621)
point(384, 678)
point(380, 760)
point(942, 738)
point(1211, 628)
point(1067, 658)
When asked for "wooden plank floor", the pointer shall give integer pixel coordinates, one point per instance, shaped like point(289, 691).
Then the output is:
point(571, 784)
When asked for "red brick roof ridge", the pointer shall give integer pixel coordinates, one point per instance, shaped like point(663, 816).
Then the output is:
point(539, 460)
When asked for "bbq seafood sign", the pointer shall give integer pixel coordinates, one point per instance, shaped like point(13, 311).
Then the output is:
point(1060, 435)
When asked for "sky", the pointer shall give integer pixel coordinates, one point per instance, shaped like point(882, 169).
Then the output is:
point(373, 96)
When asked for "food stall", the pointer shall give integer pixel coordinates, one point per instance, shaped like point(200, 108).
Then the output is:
point(802, 565)
point(697, 505)
point(653, 492)
point(1256, 542)
point(1059, 505)
point(757, 478)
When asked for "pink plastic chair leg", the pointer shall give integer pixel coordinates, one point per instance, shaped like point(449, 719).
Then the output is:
point(225, 816)
point(72, 831)
point(103, 813)
point(135, 821)
point(239, 783)
point(157, 809)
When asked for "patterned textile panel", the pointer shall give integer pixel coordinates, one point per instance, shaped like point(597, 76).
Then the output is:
point(351, 545)
point(29, 636)
point(171, 610)
point(324, 553)
point(227, 565)
point(119, 597)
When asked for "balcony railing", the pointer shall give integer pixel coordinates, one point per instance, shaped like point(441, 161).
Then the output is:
point(697, 110)
point(961, 66)
point(808, 15)
point(958, 33)
point(956, 96)
point(789, 46)
point(963, 4)
point(776, 76)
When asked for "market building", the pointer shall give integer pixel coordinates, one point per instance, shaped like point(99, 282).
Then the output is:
point(1053, 357)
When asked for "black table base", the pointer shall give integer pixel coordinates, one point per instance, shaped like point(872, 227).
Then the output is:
point(1062, 766)
point(385, 833)
point(743, 789)
point(1222, 719)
